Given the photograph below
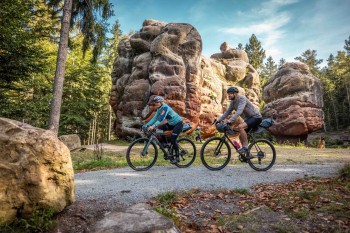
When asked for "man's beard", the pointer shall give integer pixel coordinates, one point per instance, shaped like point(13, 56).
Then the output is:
point(231, 98)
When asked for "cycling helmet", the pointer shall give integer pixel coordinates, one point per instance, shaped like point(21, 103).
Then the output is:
point(158, 99)
point(232, 90)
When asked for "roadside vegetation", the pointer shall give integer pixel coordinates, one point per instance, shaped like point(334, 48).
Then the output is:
point(304, 205)
point(90, 160)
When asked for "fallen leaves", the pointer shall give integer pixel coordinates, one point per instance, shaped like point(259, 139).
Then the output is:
point(321, 204)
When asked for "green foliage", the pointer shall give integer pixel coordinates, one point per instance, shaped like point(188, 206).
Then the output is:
point(281, 62)
point(336, 83)
point(309, 58)
point(166, 198)
point(344, 173)
point(39, 221)
point(26, 61)
point(94, 164)
point(269, 69)
point(242, 191)
point(256, 53)
point(165, 208)
point(20, 54)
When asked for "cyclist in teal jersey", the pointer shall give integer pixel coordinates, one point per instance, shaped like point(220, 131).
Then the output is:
point(174, 122)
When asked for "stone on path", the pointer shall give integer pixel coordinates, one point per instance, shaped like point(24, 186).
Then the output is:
point(138, 218)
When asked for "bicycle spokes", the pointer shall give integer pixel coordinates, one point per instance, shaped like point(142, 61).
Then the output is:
point(215, 153)
point(262, 155)
point(187, 152)
point(142, 154)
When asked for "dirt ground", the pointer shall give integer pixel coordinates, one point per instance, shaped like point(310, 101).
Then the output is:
point(81, 215)
point(305, 205)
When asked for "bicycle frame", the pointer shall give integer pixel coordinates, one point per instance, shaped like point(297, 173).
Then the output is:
point(250, 138)
point(153, 137)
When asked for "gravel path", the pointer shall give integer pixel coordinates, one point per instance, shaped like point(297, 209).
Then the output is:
point(126, 186)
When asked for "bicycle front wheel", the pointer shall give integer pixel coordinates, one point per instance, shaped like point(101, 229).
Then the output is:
point(187, 152)
point(263, 155)
point(140, 158)
point(215, 153)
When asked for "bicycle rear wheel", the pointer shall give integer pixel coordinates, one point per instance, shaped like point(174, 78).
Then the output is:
point(134, 156)
point(263, 155)
point(215, 153)
point(187, 152)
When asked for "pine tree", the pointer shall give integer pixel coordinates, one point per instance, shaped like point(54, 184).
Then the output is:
point(82, 14)
point(281, 62)
point(347, 46)
point(309, 57)
point(240, 46)
point(20, 54)
point(268, 70)
point(256, 53)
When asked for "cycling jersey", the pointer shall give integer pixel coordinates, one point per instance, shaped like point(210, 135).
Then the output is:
point(165, 112)
point(242, 106)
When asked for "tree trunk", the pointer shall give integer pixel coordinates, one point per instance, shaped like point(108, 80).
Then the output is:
point(348, 95)
point(60, 68)
point(335, 113)
point(109, 123)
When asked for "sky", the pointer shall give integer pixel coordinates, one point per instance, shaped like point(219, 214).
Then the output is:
point(285, 28)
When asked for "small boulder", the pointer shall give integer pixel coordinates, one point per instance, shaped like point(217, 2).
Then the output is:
point(72, 141)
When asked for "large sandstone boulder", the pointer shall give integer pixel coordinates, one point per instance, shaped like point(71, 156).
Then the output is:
point(160, 59)
point(165, 59)
point(294, 97)
point(229, 68)
point(35, 171)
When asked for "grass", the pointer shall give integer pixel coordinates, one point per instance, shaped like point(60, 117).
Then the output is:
point(119, 142)
point(302, 213)
point(344, 173)
point(284, 228)
point(165, 208)
point(86, 160)
point(241, 191)
point(39, 221)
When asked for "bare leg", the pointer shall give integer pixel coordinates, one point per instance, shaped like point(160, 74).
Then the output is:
point(243, 134)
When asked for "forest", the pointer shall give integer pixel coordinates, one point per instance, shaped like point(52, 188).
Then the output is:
point(29, 54)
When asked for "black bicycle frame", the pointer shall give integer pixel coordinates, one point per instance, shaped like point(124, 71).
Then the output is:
point(153, 137)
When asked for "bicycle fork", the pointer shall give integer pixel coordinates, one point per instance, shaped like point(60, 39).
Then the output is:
point(144, 152)
point(218, 148)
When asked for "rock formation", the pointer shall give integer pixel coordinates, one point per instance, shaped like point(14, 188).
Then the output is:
point(165, 59)
point(35, 171)
point(294, 97)
point(229, 68)
point(160, 59)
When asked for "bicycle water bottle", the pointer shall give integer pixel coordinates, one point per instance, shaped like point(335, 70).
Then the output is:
point(236, 144)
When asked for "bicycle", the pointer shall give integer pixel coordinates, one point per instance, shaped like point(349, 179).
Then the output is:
point(261, 154)
point(142, 153)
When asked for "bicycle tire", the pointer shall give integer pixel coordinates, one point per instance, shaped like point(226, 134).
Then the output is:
point(217, 160)
point(187, 152)
point(134, 158)
point(262, 160)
